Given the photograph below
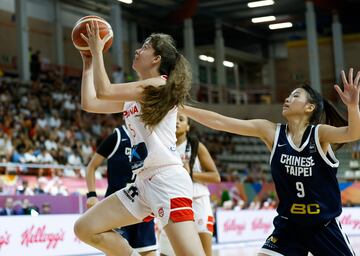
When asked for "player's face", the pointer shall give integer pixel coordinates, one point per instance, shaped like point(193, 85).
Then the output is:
point(182, 124)
point(297, 104)
point(144, 58)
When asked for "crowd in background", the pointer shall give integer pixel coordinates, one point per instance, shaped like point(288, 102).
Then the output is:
point(41, 122)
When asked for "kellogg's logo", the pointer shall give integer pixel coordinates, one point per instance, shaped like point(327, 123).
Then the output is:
point(352, 221)
point(231, 226)
point(4, 239)
point(39, 235)
point(259, 224)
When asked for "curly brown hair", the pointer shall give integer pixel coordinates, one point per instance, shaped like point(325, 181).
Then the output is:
point(177, 87)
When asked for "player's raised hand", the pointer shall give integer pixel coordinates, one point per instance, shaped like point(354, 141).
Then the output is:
point(350, 94)
point(93, 39)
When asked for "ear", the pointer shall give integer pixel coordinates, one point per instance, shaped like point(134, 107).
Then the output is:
point(157, 59)
point(188, 128)
point(309, 108)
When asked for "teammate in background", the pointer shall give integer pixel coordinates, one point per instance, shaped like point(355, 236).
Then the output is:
point(202, 169)
point(116, 148)
point(162, 187)
point(303, 166)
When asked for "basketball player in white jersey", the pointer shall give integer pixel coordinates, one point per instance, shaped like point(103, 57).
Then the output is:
point(163, 188)
point(202, 169)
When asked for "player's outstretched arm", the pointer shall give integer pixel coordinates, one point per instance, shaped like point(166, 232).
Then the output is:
point(259, 128)
point(350, 97)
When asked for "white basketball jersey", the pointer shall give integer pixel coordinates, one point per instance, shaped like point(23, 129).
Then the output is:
point(151, 149)
point(199, 188)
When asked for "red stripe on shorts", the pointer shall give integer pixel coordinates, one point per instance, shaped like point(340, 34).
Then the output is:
point(210, 224)
point(148, 218)
point(180, 215)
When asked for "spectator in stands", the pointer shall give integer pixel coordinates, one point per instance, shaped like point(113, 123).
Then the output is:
point(118, 75)
point(46, 208)
point(44, 156)
point(75, 159)
point(54, 120)
point(55, 187)
point(18, 155)
point(8, 207)
point(6, 146)
point(35, 66)
point(356, 150)
point(42, 121)
point(28, 207)
point(40, 186)
point(24, 189)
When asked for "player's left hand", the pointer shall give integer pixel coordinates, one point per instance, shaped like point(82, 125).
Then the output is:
point(93, 39)
point(350, 95)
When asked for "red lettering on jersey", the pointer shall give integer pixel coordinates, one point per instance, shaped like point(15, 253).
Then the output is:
point(132, 111)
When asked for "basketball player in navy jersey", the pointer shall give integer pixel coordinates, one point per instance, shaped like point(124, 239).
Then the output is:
point(116, 148)
point(303, 167)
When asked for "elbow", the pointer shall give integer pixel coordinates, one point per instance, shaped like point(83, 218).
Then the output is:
point(86, 106)
point(217, 178)
point(101, 92)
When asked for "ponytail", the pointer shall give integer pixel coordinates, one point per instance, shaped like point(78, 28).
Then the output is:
point(325, 112)
point(156, 102)
point(192, 145)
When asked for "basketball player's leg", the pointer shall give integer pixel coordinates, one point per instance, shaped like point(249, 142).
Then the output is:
point(204, 220)
point(184, 238)
point(206, 241)
point(95, 226)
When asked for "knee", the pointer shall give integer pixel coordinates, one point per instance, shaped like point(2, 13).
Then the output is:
point(80, 229)
point(83, 231)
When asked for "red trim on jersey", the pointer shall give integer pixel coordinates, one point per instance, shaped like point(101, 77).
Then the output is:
point(181, 215)
point(210, 224)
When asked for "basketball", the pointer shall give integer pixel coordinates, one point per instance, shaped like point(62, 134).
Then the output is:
point(80, 27)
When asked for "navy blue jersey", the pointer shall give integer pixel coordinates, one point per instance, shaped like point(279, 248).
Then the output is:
point(305, 178)
point(117, 149)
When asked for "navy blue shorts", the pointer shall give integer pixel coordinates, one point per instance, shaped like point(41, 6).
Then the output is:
point(291, 239)
point(140, 236)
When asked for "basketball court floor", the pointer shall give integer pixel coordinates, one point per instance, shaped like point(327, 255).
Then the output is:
point(251, 248)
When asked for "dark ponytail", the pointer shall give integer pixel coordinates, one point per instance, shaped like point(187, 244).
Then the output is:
point(324, 112)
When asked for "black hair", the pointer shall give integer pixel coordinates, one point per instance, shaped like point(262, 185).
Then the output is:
point(324, 112)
